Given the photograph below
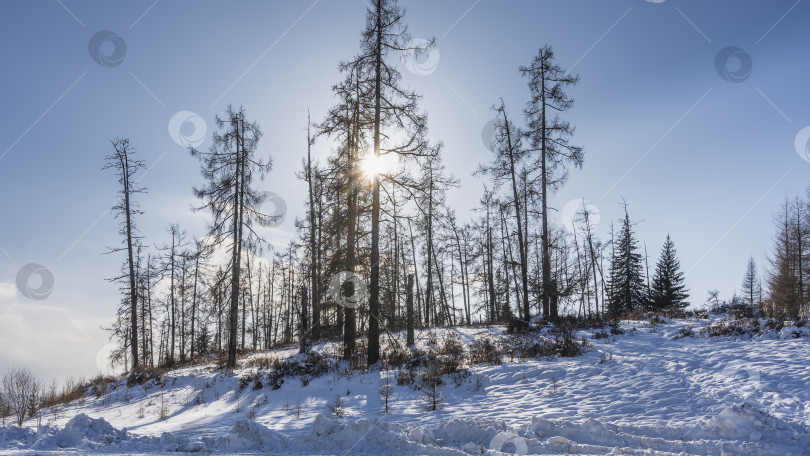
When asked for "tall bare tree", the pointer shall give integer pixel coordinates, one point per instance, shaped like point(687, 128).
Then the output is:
point(549, 137)
point(504, 169)
point(171, 266)
point(124, 163)
point(313, 248)
point(229, 169)
point(396, 110)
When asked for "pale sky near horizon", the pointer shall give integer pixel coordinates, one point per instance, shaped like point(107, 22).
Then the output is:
point(702, 140)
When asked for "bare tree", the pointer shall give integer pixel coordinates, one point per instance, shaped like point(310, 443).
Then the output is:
point(508, 154)
point(229, 168)
point(394, 109)
point(313, 249)
point(171, 266)
point(549, 136)
point(21, 389)
point(126, 166)
point(201, 253)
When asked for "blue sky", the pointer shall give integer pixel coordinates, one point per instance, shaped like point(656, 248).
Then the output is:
point(705, 159)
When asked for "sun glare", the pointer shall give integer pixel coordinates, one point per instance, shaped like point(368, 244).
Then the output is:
point(374, 166)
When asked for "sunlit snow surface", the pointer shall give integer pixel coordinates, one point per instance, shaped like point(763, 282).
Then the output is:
point(644, 392)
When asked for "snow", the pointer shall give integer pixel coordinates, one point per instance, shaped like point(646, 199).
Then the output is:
point(246, 435)
point(649, 391)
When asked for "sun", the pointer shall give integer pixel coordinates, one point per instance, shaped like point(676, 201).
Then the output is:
point(372, 166)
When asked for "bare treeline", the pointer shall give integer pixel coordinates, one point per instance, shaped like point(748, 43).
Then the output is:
point(376, 220)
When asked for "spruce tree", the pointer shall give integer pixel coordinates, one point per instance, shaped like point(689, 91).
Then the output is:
point(751, 286)
point(626, 273)
point(668, 291)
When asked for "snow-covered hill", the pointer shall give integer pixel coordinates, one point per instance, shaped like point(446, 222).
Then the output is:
point(655, 389)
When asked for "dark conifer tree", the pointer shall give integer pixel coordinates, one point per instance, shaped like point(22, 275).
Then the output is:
point(626, 272)
point(668, 290)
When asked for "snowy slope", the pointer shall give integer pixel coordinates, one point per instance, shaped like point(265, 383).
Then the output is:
point(648, 391)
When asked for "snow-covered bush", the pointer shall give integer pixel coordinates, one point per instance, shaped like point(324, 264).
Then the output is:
point(684, 332)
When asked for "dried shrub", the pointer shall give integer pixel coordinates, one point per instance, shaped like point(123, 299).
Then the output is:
point(142, 374)
point(601, 334)
point(684, 332)
point(485, 351)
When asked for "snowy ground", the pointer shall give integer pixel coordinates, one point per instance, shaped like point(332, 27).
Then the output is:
point(644, 392)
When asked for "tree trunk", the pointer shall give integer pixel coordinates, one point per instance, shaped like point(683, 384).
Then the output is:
point(133, 296)
point(374, 292)
point(313, 249)
point(415, 269)
point(548, 311)
point(349, 313)
point(303, 337)
point(236, 248)
point(429, 288)
point(409, 338)
point(524, 273)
